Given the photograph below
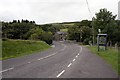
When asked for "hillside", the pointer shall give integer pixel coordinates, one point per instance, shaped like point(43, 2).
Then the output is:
point(16, 48)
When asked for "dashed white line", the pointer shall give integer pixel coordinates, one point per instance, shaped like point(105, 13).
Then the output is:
point(69, 65)
point(6, 70)
point(47, 56)
point(74, 59)
point(60, 73)
point(29, 62)
point(76, 56)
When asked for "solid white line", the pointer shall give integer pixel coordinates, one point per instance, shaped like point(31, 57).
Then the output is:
point(6, 70)
point(69, 65)
point(74, 59)
point(60, 73)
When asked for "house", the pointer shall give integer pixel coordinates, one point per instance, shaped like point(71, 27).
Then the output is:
point(60, 36)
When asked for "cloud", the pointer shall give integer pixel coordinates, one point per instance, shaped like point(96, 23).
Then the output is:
point(48, 11)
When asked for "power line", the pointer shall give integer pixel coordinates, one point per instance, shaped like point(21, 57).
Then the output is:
point(91, 17)
point(88, 7)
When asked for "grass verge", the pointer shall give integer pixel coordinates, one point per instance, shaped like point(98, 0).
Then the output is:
point(110, 55)
point(16, 48)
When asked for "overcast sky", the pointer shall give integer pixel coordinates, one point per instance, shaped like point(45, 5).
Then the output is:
point(50, 11)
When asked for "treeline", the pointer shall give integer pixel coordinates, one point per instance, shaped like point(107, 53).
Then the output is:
point(26, 29)
point(85, 30)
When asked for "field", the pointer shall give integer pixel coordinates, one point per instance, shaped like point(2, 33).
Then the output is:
point(16, 48)
point(110, 56)
point(64, 30)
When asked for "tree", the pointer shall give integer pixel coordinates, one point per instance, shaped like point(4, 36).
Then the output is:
point(47, 37)
point(35, 33)
point(105, 21)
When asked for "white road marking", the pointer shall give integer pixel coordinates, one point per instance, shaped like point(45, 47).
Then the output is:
point(6, 70)
point(74, 59)
point(29, 62)
point(60, 73)
point(80, 50)
point(47, 56)
point(53, 53)
point(69, 65)
point(76, 56)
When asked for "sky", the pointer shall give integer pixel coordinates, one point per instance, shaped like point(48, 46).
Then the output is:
point(52, 11)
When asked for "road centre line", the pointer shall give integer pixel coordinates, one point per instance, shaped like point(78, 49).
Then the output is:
point(69, 65)
point(29, 62)
point(74, 59)
point(6, 70)
point(76, 56)
point(60, 73)
point(47, 56)
point(53, 53)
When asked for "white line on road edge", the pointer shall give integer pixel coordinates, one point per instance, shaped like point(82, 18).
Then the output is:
point(6, 70)
point(60, 73)
point(74, 59)
point(69, 65)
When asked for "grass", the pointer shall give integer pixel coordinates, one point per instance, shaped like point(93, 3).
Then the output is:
point(16, 48)
point(0, 48)
point(64, 30)
point(110, 55)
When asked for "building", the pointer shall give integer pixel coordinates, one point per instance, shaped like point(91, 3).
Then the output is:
point(60, 36)
point(119, 10)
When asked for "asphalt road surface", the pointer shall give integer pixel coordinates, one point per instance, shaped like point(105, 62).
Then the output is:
point(65, 60)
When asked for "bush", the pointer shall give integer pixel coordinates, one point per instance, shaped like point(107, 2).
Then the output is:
point(86, 41)
point(47, 37)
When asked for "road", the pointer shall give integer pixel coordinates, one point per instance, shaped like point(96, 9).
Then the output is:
point(65, 60)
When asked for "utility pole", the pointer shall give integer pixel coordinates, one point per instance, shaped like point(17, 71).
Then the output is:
point(93, 30)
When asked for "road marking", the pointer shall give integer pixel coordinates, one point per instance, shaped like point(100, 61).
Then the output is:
point(29, 62)
point(69, 65)
point(6, 70)
point(76, 56)
point(60, 73)
point(74, 59)
point(80, 50)
point(47, 56)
